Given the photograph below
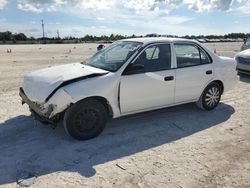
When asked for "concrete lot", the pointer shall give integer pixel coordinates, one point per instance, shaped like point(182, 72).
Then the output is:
point(175, 147)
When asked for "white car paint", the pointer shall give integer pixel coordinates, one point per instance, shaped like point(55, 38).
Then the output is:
point(245, 53)
point(243, 61)
point(128, 94)
point(188, 87)
point(46, 80)
point(145, 91)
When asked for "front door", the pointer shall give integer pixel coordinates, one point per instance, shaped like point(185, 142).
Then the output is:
point(152, 88)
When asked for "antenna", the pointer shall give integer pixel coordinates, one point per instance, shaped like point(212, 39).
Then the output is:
point(42, 28)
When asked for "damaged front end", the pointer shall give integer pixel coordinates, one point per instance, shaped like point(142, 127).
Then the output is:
point(40, 111)
point(44, 91)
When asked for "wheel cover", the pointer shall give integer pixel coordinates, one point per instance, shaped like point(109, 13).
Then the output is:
point(212, 97)
point(86, 120)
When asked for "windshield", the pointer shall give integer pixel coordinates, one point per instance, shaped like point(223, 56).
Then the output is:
point(114, 56)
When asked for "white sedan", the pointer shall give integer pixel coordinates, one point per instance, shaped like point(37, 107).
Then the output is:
point(128, 77)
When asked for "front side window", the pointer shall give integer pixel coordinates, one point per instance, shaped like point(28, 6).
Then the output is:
point(155, 58)
point(190, 55)
point(113, 57)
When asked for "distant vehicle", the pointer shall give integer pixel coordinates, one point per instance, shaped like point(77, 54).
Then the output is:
point(246, 44)
point(201, 40)
point(100, 47)
point(128, 77)
point(243, 61)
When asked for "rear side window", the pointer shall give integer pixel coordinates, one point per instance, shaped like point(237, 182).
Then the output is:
point(155, 58)
point(189, 55)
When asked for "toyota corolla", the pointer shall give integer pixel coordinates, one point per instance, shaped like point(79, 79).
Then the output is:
point(128, 77)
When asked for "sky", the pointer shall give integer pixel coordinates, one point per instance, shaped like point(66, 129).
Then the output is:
point(102, 17)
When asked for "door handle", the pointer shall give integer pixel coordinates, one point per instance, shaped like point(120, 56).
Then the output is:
point(209, 72)
point(168, 78)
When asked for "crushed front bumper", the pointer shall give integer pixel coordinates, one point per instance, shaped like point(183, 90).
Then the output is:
point(37, 110)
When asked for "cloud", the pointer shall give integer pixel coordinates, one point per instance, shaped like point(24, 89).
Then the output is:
point(243, 9)
point(3, 3)
point(29, 7)
point(55, 5)
point(137, 5)
point(100, 18)
point(51, 8)
point(207, 5)
point(197, 5)
point(140, 4)
point(97, 4)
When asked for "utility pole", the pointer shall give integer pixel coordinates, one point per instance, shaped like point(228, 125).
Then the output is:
point(43, 28)
point(58, 34)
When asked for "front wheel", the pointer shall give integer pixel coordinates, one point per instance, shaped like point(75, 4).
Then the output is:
point(210, 97)
point(85, 119)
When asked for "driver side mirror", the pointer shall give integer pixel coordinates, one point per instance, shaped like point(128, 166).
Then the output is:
point(134, 69)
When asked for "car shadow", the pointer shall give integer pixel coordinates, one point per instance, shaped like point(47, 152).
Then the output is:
point(31, 147)
point(244, 78)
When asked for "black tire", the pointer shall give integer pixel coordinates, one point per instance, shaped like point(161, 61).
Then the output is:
point(210, 97)
point(85, 119)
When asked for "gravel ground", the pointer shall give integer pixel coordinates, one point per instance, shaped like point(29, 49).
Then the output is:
point(175, 147)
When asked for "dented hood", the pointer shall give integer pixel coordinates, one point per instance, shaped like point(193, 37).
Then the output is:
point(40, 84)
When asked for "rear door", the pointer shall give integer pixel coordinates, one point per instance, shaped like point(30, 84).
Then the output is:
point(194, 71)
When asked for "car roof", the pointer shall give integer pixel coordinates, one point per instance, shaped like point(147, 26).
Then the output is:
point(147, 40)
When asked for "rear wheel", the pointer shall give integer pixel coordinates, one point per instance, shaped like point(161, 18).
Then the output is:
point(85, 119)
point(210, 97)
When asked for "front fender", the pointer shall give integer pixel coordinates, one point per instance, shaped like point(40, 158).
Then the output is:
point(60, 101)
point(105, 86)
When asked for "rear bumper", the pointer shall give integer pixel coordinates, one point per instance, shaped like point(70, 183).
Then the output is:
point(38, 110)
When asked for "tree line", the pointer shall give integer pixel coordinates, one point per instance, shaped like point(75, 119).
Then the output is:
point(9, 36)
